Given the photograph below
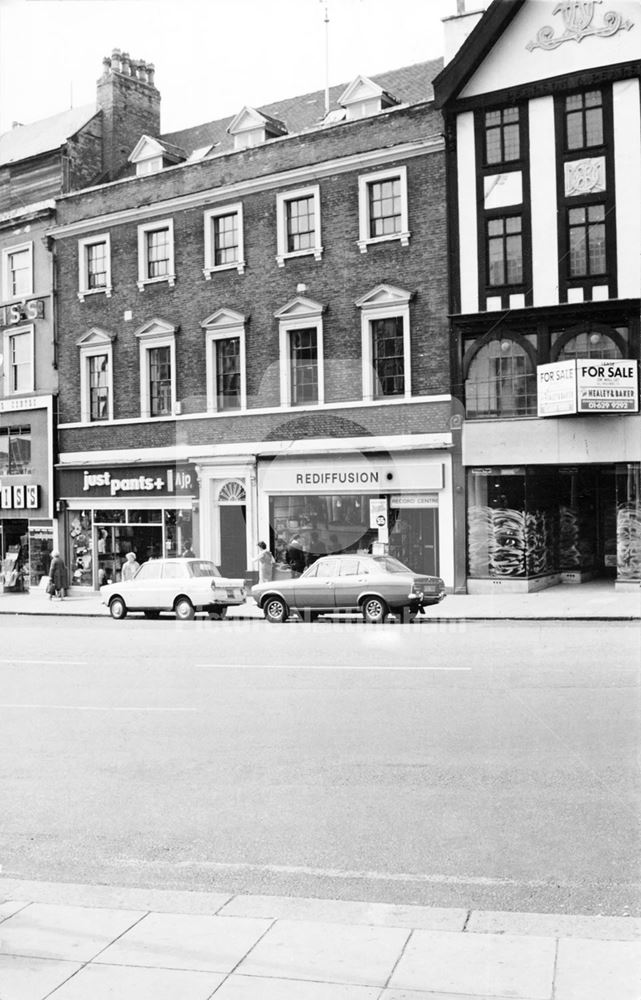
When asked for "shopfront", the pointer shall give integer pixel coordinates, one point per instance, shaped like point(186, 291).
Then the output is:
point(533, 526)
point(108, 512)
point(326, 503)
point(26, 524)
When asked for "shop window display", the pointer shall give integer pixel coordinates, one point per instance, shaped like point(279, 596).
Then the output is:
point(81, 548)
point(323, 524)
point(628, 488)
point(511, 523)
point(496, 523)
point(100, 540)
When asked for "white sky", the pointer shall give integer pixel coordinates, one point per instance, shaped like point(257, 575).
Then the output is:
point(211, 56)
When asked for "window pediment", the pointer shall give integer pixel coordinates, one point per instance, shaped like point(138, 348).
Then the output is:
point(146, 149)
point(383, 296)
point(156, 328)
point(96, 337)
point(223, 319)
point(300, 308)
point(249, 119)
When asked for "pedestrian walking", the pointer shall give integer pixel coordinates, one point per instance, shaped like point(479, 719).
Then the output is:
point(265, 561)
point(58, 581)
point(130, 567)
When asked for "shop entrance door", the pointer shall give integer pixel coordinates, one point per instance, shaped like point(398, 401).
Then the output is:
point(606, 523)
point(414, 538)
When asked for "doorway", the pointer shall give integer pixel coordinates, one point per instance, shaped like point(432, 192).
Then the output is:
point(233, 530)
point(414, 538)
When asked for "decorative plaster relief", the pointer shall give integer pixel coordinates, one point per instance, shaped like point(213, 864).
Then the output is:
point(501, 190)
point(577, 18)
point(584, 176)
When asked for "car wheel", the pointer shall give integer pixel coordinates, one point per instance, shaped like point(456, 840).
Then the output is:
point(275, 610)
point(217, 612)
point(374, 610)
point(151, 614)
point(184, 609)
point(117, 608)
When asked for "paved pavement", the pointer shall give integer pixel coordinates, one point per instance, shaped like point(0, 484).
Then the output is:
point(78, 942)
point(595, 600)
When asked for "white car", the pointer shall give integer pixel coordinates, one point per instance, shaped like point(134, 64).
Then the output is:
point(183, 586)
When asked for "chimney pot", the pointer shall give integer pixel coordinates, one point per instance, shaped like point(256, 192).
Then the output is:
point(115, 61)
point(151, 69)
point(460, 6)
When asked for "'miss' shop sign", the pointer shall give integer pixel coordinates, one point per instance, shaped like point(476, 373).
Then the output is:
point(590, 385)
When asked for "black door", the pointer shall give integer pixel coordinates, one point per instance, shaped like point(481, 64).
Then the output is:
point(414, 539)
point(233, 540)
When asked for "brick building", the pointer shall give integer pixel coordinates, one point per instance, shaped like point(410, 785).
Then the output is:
point(541, 105)
point(39, 162)
point(253, 337)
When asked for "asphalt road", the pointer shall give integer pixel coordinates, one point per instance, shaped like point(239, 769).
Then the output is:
point(490, 766)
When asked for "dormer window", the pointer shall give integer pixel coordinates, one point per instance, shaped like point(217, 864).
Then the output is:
point(363, 98)
point(252, 128)
point(151, 155)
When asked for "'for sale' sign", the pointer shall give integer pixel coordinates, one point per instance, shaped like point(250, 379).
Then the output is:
point(610, 386)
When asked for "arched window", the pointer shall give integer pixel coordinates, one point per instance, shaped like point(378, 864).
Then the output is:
point(590, 345)
point(501, 381)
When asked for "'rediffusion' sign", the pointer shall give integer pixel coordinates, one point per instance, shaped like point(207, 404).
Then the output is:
point(589, 385)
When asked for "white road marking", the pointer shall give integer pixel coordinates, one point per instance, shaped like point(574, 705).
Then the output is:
point(101, 708)
point(337, 873)
point(50, 663)
point(320, 666)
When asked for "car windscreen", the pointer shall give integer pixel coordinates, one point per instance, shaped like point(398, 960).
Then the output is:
point(200, 567)
point(391, 565)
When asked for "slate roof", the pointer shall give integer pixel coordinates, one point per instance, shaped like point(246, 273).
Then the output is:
point(410, 85)
point(25, 141)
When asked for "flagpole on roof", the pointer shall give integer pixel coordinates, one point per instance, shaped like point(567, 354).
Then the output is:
point(326, 22)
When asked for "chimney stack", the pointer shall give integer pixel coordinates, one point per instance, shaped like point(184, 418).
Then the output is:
point(458, 27)
point(130, 106)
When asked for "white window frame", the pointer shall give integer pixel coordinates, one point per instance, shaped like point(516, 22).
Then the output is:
point(143, 231)
point(365, 239)
point(214, 213)
point(282, 201)
point(83, 266)
point(6, 284)
point(150, 336)
point(301, 314)
point(94, 344)
point(9, 333)
point(389, 303)
point(150, 165)
point(224, 325)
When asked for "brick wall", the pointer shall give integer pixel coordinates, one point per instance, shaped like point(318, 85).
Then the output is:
point(422, 418)
point(342, 276)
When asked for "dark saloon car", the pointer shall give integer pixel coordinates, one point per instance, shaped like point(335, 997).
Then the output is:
point(373, 585)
